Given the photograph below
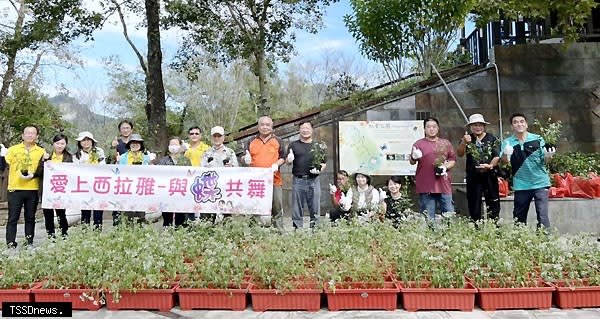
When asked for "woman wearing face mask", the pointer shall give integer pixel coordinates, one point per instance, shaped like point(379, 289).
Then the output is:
point(362, 199)
point(60, 154)
point(89, 153)
point(175, 157)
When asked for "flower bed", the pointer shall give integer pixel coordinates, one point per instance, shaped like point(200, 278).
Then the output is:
point(337, 258)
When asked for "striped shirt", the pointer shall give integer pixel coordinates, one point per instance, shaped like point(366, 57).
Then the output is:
point(527, 162)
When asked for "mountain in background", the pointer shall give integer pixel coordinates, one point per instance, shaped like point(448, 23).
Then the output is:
point(82, 118)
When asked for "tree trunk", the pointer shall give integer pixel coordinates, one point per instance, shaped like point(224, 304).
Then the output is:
point(261, 69)
point(11, 55)
point(155, 90)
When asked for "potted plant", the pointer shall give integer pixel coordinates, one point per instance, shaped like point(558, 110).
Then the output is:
point(73, 271)
point(16, 280)
point(482, 153)
point(217, 278)
point(319, 153)
point(431, 271)
point(284, 278)
point(441, 149)
point(355, 275)
point(504, 269)
point(550, 131)
point(150, 281)
point(25, 163)
point(575, 273)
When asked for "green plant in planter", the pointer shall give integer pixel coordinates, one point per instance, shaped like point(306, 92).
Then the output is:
point(15, 270)
point(275, 266)
point(353, 257)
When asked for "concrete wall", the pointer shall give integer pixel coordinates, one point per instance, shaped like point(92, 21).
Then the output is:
point(541, 81)
point(568, 215)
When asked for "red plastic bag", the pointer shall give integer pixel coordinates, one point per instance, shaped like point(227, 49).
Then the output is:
point(502, 187)
point(595, 181)
point(568, 184)
point(582, 188)
point(555, 192)
point(559, 181)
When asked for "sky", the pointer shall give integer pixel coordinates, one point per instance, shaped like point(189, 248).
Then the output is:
point(109, 41)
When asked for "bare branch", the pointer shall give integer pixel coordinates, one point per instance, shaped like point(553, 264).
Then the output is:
point(126, 34)
point(35, 67)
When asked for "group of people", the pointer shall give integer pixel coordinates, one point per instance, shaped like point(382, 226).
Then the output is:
point(526, 152)
point(26, 169)
point(433, 155)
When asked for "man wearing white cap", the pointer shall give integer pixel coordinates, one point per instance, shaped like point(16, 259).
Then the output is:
point(23, 184)
point(218, 155)
point(482, 151)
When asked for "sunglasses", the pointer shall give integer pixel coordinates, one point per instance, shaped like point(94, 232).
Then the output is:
point(194, 133)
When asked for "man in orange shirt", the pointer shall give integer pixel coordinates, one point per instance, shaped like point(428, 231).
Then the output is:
point(267, 150)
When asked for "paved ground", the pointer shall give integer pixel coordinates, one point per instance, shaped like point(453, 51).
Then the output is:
point(176, 313)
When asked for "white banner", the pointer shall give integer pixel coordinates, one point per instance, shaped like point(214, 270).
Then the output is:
point(157, 188)
point(378, 147)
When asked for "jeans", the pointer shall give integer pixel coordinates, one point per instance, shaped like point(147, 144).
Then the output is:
point(484, 184)
point(49, 221)
point(98, 215)
point(28, 199)
point(309, 191)
point(523, 200)
point(276, 209)
point(427, 203)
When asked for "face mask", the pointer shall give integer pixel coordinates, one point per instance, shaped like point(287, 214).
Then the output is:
point(174, 148)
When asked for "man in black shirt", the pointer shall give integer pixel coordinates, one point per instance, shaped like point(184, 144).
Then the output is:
point(482, 151)
point(308, 161)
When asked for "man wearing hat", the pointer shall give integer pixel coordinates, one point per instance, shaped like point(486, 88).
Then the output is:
point(218, 155)
point(482, 151)
point(23, 183)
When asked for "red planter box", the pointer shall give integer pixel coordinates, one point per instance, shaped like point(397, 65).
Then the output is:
point(15, 295)
point(207, 298)
point(143, 299)
point(462, 299)
point(74, 296)
point(298, 299)
point(363, 298)
point(490, 299)
point(576, 297)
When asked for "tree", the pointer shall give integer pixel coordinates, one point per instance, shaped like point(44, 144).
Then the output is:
point(26, 106)
point(37, 23)
point(571, 15)
point(389, 31)
point(155, 108)
point(259, 31)
point(342, 87)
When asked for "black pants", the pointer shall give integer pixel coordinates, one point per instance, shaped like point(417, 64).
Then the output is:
point(480, 185)
point(49, 221)
point(180, 219)
point(338, 213)
point(98, 216)
point(28, 200)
